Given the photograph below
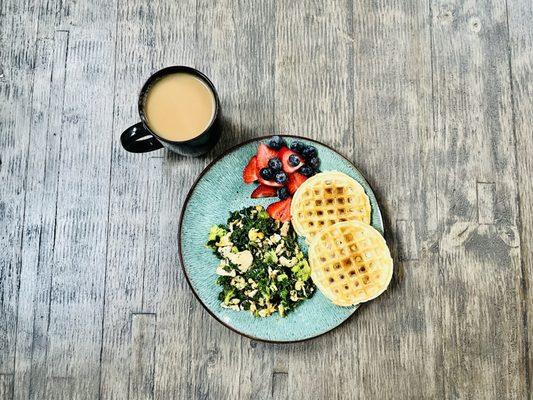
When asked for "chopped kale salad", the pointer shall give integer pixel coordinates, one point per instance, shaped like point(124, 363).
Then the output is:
point(262, 269)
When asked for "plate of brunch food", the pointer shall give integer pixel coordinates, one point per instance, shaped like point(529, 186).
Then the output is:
point(280, 239)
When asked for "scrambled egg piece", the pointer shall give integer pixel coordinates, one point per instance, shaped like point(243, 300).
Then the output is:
point(286, 262)
point(254, 235)
point(285, 228)
point(224, 251)
point(221, 271)
point(269, 310)
point(243, 260)
point(252, 283)
point(281, 310)
point(280, 248)
point(225, 240)
point(238, 282)
point(275, 238)
point(294, 295)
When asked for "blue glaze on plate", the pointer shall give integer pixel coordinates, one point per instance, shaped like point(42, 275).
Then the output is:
point(221, 190)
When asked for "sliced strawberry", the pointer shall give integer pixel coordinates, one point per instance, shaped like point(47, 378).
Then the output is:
point(295, 180)
point(280, 209)
point(250, 172)
point(264, 191)
point(264, 153)
point(284, 154)
point(269, 183)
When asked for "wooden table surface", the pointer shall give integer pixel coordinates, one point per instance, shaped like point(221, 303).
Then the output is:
point(432, 100)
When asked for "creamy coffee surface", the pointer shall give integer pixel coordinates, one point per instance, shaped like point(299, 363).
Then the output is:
point(179, 106)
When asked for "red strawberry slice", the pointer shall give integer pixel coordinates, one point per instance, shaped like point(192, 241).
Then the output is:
point(250, 172)
point(284, 154)
point(280, 209)
point(295, 180)
point(264, 191)
point(264, 153)
point(269, 183)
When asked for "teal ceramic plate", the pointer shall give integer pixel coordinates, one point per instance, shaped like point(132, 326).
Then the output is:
point(219, 190)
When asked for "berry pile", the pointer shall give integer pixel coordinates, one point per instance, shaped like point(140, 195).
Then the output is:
point(280, 170)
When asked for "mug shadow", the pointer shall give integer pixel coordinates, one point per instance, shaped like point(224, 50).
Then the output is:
point(231, 134)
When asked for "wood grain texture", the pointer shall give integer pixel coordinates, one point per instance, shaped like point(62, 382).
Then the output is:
point(142, 356)
point(74, 329)
point(519, 17)
point(394, 127)
point(16, 90)
point(40, 226)
point(480, 270)
point(431, 100)
point(6, 386)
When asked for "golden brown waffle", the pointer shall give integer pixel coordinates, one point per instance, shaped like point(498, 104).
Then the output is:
point(350, 263)
point(325, 199)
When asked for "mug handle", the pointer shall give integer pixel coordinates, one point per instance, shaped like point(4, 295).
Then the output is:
point(137, 139)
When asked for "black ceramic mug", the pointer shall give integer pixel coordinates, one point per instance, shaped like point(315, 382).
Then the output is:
point(139, 138)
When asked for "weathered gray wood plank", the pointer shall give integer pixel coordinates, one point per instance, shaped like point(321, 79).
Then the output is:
point(280, 386)
point(6, 386)
point(32, 230)
point(520, 17)
point(40, 212)
point(79, 259)
point(62, 388)
point(39, 231)
point(141, 375)
point(314, 71)
point(394, 147)
point(17, 47)
point(177, 339)
point(480, 275)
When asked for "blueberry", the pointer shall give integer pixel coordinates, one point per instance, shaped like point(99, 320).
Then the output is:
point(266, 173)
point(283, 193)
point(314, 162)
point(297, 146)
point(294, 160)
point(276, 142)
point(275, 164)
point(281, 177)
point(309, 152)
point(306, 170)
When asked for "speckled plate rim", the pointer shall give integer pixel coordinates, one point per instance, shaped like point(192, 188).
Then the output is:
point(182, 215)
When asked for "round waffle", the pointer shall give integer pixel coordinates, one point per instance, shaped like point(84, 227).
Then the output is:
point(325, 199)
point(350, 263)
